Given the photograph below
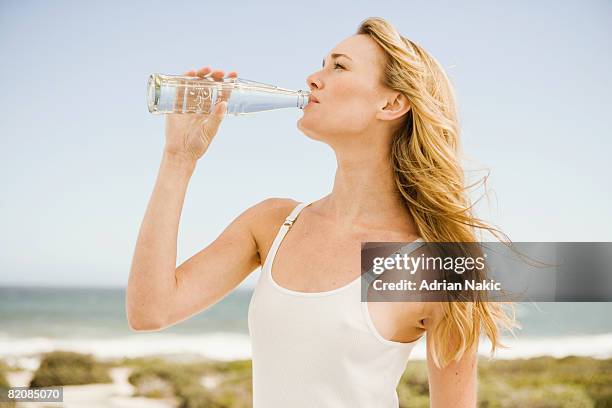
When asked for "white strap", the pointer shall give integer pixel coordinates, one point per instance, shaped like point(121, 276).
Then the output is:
point(294, 214)
point(282, 231)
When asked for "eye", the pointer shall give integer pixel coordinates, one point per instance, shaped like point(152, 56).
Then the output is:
point(338, 65)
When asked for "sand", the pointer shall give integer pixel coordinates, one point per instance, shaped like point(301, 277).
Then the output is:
point(115, 395)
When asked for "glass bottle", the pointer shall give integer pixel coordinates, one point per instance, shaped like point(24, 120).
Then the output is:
point(185, 94)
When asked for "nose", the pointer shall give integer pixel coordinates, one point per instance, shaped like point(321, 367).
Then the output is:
point(313, 82)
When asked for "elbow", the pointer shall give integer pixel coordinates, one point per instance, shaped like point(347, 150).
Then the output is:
point(138, 326)
point(139, 322)
point(140, 314)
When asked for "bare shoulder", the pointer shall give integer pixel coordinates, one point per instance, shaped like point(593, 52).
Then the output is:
point(267, 209)
point(268, 216)
point(277, 203)
point(271, 209)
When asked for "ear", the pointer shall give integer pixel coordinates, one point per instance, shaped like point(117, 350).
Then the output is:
point(396, 106)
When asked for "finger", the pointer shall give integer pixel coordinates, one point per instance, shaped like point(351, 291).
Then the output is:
point(221, 109)
point(217, 75)
point(218, 115)
point(226, 96)
point(203, 71)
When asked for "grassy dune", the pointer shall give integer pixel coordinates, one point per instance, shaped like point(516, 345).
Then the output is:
point(543, 382)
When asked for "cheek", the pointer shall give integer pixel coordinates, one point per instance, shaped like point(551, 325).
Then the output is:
point(355, 92)
point(353, 106)
point(347, 91)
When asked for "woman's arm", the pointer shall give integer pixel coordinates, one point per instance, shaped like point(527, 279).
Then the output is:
point(158, 293)
point(152, 275)
point(456, 384)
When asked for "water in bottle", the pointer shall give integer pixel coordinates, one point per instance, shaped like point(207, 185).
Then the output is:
point(185, 94)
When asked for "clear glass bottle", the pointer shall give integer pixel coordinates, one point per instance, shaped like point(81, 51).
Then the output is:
point(185, 94)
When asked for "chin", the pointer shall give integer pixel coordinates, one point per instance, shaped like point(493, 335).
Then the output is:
point(307, 130)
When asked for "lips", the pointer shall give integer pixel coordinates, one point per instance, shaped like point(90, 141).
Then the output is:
point(312, 99)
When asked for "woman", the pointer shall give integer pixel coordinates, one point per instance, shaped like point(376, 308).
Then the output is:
point(387, 109)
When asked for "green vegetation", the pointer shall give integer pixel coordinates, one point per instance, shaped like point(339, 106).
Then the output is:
point(69, 368)
point(543, 382)
point(157, 378)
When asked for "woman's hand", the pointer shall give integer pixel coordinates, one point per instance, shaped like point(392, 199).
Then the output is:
point(188, 135)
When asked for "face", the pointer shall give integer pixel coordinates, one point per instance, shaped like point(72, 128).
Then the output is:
point(353, 102)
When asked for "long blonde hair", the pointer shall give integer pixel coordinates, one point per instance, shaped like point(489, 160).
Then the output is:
point(425, 155)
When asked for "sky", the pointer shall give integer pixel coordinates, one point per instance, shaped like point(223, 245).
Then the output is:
point(81, 152)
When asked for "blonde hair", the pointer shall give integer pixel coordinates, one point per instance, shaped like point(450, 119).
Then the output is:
point(425, 154)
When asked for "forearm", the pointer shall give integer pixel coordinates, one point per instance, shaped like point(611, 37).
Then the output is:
point(152, 275)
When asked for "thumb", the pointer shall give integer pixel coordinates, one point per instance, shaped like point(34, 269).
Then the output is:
point(221, 109)
point(210, 126)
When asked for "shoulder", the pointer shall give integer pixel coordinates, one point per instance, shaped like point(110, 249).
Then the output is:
point(270, 207)
point(273, 208)
point(267, 216)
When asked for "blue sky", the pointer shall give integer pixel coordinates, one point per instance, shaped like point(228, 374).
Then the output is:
point(80, 151)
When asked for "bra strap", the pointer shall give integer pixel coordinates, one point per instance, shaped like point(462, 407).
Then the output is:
point(282, 231)
point(294, 214)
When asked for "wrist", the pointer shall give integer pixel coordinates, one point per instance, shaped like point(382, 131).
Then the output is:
point(178, 162)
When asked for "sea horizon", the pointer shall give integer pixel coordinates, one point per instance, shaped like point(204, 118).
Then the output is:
point(39, 319)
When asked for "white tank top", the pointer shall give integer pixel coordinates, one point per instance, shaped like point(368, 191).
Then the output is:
point(319, 349)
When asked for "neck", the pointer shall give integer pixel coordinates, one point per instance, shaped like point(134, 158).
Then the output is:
point(365, 194)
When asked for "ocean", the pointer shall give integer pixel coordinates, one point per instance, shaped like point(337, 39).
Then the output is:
point(92, 320)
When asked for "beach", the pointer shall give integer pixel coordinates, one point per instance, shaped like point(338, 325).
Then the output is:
point(173, 381)
point(207, 357)
point(119, 394)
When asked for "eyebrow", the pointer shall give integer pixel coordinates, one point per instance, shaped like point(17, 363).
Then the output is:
point(336, 56)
